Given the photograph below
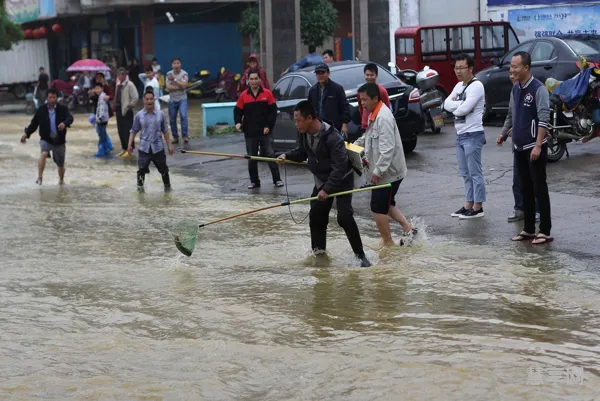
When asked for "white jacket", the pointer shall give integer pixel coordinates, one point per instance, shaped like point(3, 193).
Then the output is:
point(383, 146)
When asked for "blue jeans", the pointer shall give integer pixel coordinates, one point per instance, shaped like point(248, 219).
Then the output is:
point(518, 193)
point(104, 143)
point(468, 154)
point(180, 107)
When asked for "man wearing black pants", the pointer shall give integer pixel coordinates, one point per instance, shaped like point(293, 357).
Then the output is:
point(529, 123)
point(255, 113)
point(322, 145)
point(126, 98)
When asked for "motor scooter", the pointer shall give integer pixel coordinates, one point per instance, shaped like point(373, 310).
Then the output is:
point(229, 86)
point(432, 100)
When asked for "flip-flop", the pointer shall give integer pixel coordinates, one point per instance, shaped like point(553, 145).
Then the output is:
point(542, 239)
point(523, 236)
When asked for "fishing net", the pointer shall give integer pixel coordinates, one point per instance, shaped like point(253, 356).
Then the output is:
point(184, 235)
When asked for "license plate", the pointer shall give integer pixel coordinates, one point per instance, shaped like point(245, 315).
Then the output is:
point(437, 117)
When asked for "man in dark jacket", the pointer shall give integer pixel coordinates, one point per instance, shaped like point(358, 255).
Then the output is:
point(321, 144)
point(255, 113)
point(329, 100)
point(52, 120)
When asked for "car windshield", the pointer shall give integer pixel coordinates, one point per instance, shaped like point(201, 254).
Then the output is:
point(352, 78)
point(584, 47)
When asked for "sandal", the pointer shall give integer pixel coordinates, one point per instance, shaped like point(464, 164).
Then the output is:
point(523, 236)
point(541, 239)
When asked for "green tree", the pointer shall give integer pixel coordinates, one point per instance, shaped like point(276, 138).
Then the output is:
point(9, 31)
point(318, 21)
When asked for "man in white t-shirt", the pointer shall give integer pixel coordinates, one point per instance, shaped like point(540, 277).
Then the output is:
point(467, 102)
point(149, 80)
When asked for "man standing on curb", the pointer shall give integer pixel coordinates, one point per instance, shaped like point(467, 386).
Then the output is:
point(321, 144)
point(467, 102)
point(517, 213)
point(530, 121)
point(177, 81)
point(329, 100)
point(384, 152)
point(125, 101)
point(53, 120)
point(255, 113)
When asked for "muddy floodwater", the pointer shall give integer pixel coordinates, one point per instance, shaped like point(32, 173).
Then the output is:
point(97, 304)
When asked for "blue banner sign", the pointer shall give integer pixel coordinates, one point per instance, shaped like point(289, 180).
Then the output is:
point(496, 3)
point(555, 21)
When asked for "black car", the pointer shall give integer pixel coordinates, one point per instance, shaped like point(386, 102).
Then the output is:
point(550, 58)
point(293, 87)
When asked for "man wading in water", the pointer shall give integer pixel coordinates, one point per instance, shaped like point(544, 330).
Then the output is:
point(52, 120)
point(324, 148)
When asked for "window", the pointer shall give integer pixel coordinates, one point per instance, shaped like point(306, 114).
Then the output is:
point(585, 47)
point(512, 38)
point(298, 89)
point(433, 40)
point(405, 46)
point(542, 52)
point(280, 91)
point(491, 40)
point(509, 56)
point(462, 39)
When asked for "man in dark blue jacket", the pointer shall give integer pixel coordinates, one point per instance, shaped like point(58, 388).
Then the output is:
point(529, 122)
point(322, 146)
point(329, 100)
point(52, 120)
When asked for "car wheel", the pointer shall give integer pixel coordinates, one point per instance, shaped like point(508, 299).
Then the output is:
point(486, 111)
point(409, 146)
point(30, 109)
point(556, 150)
point(19, 91)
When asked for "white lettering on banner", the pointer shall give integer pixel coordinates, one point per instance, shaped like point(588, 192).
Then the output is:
point(554, 21)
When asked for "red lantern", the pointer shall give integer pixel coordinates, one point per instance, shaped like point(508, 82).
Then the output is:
point(36, 34)
point(28, 33)
point(57, 28)
point(43, 32)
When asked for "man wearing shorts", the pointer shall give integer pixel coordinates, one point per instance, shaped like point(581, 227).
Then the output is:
point(52, 119)
point(385, 155)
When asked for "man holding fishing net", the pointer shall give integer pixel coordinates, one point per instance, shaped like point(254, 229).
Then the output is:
point(325, 150)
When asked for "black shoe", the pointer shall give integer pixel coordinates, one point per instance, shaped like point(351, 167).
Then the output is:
point(175, 141)
point(460, 212)
point(472, 214)
point(364, 262)
point(253, 186)
point(140, 188)
point(168, 188)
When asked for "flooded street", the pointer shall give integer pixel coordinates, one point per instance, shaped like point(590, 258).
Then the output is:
point(97, 304)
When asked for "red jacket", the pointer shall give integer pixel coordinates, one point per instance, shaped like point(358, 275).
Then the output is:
point(263, 78)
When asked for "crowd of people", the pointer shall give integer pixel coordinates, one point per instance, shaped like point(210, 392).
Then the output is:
point(322, 121)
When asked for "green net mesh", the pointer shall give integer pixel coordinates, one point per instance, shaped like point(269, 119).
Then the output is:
point(184, 235)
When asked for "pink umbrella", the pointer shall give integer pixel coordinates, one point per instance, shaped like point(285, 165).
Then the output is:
point(88, 65)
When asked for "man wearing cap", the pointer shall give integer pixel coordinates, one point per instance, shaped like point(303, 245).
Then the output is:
point(329, 100)
point(252, 66)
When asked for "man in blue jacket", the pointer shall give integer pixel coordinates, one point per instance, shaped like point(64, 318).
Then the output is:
point(52, 119)
point(529, 123)
point(329, 100)
point(313, 58)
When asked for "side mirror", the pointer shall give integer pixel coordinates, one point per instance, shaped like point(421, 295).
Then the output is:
point(496, 61)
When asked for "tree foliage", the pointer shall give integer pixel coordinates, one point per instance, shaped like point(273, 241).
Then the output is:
point(318, 21)
point(9, 31)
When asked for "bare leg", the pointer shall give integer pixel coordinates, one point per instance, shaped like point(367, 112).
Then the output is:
point(397, 215)
point(61, 175)
point(468, 205)
point(41, 167)
point(383, 225)
point(477, 206)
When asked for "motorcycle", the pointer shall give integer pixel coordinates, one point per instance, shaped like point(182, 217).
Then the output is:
point(32, 102)
point(204, 86)
point(574, 109)
point(229, 86)
point(432, 100)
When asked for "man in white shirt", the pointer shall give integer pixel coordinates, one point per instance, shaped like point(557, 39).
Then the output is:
point(149, 80)
point(467, 102)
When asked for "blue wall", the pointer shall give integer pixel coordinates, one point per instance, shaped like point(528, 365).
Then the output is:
point(207, 46)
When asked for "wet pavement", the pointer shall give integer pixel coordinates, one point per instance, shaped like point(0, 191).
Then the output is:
point(98, 305)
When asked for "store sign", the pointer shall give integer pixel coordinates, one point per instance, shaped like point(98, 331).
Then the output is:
point(21, 11)
point(496, 3)
point(555, 21)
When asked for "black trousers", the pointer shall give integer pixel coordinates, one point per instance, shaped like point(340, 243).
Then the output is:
point(319, 219)
point(124, 124)
point(160, 162)
point(265, 144)
point(532, 177)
